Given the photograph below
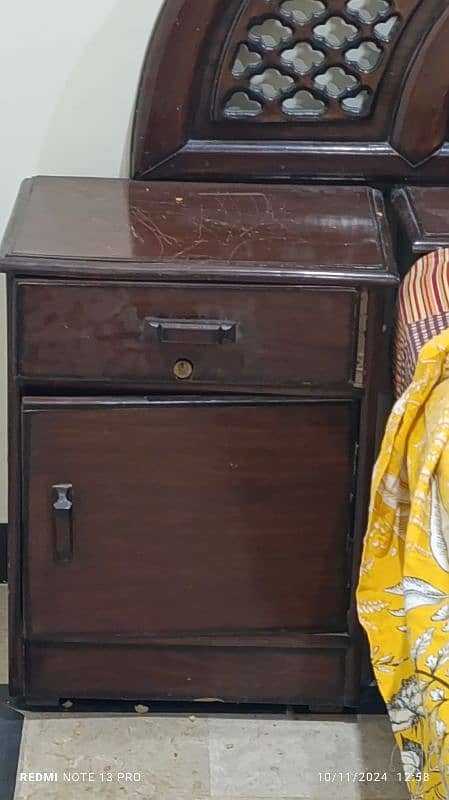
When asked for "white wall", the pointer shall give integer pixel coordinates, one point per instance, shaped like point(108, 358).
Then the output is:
point(69, 71)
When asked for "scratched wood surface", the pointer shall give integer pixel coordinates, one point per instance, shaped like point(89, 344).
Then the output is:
point(115, 220)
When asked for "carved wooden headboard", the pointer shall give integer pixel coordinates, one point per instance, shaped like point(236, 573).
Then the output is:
point(295, 89)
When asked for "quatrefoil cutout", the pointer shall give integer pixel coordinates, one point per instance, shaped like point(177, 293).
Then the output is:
point(335, 32)
point(302, 58)
point(303, 11)
point(335, 82)
point(368, 11)
point(365, 57)
point(271, 84)
point(270, 33)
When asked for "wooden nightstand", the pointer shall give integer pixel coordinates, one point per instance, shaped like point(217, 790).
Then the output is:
point(194, 374)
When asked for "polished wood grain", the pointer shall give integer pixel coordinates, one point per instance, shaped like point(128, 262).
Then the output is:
point(283, 337)
point(422, 118)
point(177, 134)
point(216, 521)
point(161, 226)
point(422, 214)
point(313, 161)
point(202, 518)
point(184, 673)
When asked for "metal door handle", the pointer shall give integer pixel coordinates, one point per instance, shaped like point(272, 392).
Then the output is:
point(62, 516)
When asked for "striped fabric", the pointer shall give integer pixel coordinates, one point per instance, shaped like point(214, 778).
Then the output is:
point(422, 313)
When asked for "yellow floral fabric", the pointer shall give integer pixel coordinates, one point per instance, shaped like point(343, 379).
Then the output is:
point(403, 591)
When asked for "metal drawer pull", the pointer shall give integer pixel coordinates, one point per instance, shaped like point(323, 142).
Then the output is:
point(62, 515)
point(185, 331)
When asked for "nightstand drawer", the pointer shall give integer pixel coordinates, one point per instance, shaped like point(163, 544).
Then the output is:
point(182, 335)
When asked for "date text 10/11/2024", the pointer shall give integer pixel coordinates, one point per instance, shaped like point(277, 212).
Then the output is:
point(370, 777)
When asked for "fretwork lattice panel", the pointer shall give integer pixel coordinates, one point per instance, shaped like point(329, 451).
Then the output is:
point(308, 60)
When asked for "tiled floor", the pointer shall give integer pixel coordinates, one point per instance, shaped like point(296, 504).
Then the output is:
point(203, 757)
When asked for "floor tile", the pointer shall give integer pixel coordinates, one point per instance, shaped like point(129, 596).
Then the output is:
point(273, 759)
point(171, 755)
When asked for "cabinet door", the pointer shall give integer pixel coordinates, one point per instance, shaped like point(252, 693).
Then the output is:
point(208, 516)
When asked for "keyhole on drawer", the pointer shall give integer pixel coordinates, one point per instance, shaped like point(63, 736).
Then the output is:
point(183, 369)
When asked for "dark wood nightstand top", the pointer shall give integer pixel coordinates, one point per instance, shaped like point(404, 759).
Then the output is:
point(190, 230)
point(423, 213)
